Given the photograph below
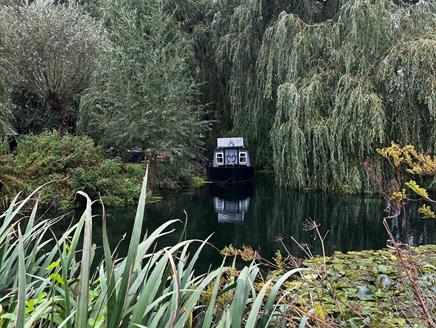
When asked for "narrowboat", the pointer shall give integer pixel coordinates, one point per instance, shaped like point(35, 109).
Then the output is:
point(231, 162)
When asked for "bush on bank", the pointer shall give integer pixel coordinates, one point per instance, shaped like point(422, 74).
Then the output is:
point(69, 164)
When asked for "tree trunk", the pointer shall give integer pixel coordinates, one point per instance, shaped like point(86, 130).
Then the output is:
point(58, 106)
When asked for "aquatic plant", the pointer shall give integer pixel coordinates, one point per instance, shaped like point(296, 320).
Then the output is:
point(357, 288)
point(408, 161)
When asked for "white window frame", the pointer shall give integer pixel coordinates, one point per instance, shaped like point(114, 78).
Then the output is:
point(219, 158)
point(243, 154)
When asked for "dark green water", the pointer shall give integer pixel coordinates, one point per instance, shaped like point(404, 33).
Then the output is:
point(257, 216)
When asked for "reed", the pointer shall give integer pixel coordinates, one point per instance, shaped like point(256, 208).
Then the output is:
point(57, 286)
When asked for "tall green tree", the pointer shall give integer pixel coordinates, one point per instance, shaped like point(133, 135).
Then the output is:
point(48, 49)
point(143, 93)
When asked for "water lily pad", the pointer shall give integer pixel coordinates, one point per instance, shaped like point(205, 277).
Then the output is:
point(364, 294)
point(384, 268)
point(383, 282)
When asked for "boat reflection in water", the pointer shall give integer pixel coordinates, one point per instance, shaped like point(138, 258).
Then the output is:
point(231, 202)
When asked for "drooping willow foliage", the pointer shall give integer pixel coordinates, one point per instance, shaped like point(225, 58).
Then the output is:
point(317, 91)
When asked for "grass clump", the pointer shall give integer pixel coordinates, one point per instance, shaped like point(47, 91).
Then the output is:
point(198, 181)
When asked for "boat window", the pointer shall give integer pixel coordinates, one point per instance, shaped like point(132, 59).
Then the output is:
point(242, 157)
point(219, 158)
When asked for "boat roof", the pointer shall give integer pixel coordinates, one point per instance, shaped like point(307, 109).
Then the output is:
point(233, 142)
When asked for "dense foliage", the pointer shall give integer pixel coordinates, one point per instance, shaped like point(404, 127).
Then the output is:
point(4, 113)
point(69, 164)
point(49, 50)
point(317, 88)
point(29, 114)
point(4, 109)
point(143, 93)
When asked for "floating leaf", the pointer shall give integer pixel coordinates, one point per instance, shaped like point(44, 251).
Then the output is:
point(365, 294)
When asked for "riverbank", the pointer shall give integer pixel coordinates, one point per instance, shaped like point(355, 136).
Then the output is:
point(66, 164)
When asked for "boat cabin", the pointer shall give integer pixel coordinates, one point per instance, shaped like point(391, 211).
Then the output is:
point(231, 162)
point(230, 152)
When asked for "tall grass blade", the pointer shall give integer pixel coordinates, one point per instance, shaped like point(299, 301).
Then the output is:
point(131, 255)
point(156, 320)
point(254, 312)
point(240, 298)
point(175, 299)
point(84, 280)
point(67, 300)
point(11, 213)
point(32, 217)
point(21, 309)
point(149, 291)
point(109, 266)
point(194, 259)
point(194, 296)
point(208, 317)
point(77, 228)
point(269, 305)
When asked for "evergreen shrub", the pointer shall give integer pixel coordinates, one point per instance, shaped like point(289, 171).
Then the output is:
point(75, 163)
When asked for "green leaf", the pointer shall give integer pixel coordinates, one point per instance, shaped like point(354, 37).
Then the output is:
point(365, 294)
point(109, 266)
point(131, 256)
point(53, 265)
point(56, 277)
point(255, 309)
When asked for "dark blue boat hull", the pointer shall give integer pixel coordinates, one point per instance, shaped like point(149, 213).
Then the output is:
point(231, 174)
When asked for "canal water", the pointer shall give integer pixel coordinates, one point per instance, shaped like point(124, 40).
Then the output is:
point(262, 214)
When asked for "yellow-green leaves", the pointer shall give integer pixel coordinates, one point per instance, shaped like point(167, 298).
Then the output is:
point(427, 212)
point(422, 192)
point(53, 265)
point(407, 160)
point(415, 162)
point(57, 278)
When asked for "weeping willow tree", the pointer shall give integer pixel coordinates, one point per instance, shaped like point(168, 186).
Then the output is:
point(316, 96)
point(237, 29)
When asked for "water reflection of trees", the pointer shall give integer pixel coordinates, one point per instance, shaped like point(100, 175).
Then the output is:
point(353, 222)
